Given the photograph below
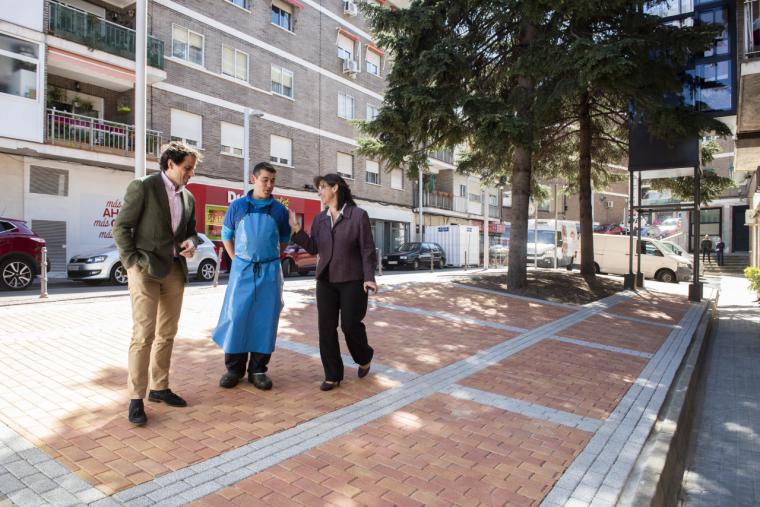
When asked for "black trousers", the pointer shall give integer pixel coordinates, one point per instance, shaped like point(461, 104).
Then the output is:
point(706, 253)
point(349, 301)
point(235, 363)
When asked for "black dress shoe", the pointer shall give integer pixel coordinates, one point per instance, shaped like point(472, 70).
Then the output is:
point(260, 380)
point(327, 385)
point(362, 372)
point(137, 413)
point(229, 380)
point(168, 397)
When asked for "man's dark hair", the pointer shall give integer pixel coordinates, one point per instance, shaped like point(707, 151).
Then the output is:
point(176, 152)
point(263, 166)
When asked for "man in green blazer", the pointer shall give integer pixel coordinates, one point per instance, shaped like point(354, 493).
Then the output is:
point(155, 232)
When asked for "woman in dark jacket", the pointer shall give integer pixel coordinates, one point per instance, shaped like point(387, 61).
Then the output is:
point(342, 237)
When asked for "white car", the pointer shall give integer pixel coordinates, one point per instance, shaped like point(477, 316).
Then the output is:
point(98, 266)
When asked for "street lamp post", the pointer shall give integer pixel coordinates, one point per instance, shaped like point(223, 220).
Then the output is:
point(247, 113)
point(141, 30)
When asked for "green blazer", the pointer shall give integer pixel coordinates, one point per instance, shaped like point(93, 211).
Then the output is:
point(143, 228)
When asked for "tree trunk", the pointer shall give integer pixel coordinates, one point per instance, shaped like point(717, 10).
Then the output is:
point(517, 274)
point(584, 187)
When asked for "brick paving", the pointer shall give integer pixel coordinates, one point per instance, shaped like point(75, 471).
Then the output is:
point(516, 408)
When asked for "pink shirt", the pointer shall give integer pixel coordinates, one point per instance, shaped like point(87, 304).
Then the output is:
point(175, 201)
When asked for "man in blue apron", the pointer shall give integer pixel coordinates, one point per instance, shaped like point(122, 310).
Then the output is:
point(256, 230)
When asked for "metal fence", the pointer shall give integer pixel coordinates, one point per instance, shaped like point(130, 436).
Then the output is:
point(84, 131)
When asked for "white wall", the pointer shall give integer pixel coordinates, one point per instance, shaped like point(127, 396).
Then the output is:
point(12, 188)
point(27, 13)
point(27, 113)
point(86, 209)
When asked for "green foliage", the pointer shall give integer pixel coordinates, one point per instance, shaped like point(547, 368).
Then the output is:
point(753, 275)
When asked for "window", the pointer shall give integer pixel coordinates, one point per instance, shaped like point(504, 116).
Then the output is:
point(43, 180)
point(345, 106)
point(717, 16)
point(492, 201)
point(280, 150)
point(373, 172)
point(462, 190)
point(282, 81)
point(186, 127)
point(232, 139)
point(234, 63)
point(346, 165)
point(372, 112)
point(373, 62)
point(397, 179)
point(714, 92)
point(345, 47)
point(282, 15)
point(506, 199)
point(18, 67)
point(187, 45)
point(245, 4)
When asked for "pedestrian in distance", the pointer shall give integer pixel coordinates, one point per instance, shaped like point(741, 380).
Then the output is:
point(255, 233)
point(155, 233)
point(707, 247)
point(345, 273)
point(719, 247)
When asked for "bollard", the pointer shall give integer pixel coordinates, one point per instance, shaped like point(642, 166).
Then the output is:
point(218, 266)
point(379, 261)
point(465, 260)
point(44, 274)
point(431, 261)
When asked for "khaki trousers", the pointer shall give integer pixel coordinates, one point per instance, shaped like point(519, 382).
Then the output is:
point(156, 306)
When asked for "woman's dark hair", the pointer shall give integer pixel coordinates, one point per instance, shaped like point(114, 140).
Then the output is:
point(176, 152)
point(344, 193)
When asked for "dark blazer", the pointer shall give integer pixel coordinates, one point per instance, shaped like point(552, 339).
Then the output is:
point(346, 251)
point(143, 232)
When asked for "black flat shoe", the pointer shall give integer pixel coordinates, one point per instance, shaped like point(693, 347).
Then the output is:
point(136, 414)
point(362, 372)
point(168, 397)
point(229, 380)
point(327, 385)
point(260, 381)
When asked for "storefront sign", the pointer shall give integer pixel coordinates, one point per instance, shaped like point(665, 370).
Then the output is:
point(98, 215)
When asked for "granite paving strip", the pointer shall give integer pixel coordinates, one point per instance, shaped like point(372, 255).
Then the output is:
point(515, 296)
point(532, 410)
point(598, 474)
point(599, 346)
point(201, 479)
point(639, 320)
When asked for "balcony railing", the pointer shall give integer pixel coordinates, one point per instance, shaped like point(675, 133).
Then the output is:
point(434, 200)
point(97, 33)
point(752, 28)
point(493, 211)
point(443, 155)
point(99, 135)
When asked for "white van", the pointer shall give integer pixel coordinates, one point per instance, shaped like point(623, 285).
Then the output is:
point(541, 242)
point(611, 256)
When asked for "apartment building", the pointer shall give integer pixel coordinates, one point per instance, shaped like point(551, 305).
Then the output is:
point(307, 69)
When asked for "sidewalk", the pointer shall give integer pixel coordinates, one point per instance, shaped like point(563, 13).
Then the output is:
point(474, 398)
point(724, 466)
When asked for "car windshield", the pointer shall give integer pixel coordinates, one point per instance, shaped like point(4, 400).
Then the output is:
point(409, 247)
point(544, 237)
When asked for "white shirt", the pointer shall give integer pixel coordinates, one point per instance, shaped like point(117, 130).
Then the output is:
point(340, 214)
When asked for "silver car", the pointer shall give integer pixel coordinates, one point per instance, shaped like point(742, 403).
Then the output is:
point(98, 266)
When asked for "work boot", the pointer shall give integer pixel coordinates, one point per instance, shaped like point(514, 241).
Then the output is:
point(229, 380)
point(260, 380)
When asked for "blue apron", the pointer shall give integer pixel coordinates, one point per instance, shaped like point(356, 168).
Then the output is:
point(253, 300)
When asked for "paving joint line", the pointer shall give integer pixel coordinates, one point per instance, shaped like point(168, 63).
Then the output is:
point(601, 346)
point(566, 306)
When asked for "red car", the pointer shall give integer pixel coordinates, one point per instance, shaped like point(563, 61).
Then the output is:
point(295, 259)
point(20, 254)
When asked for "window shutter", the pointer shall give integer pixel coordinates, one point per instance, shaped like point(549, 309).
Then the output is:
point(186, 125)
point(346, 165)
point(43, 180)
point(280, 150)
point(232, 135)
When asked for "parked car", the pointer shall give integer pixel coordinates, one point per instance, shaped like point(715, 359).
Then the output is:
point(667, 227)
point(611, 255)
point(295, 259)
point(104, 264)
point(609, 229)
point(677, 250)
point(20, 254)
point(415, 255)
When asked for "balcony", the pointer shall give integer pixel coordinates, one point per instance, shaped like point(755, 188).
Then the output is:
point(493, 211)
point(84, 132)
point(442, 200)
point(752, 28)
point(97, 33)
point(446, 156)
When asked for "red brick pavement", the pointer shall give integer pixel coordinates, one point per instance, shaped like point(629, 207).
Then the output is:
point(564, 376)
point(654, 306)
point(477, 305)
point(609, 330)
point(437, 451)
point(401, 340)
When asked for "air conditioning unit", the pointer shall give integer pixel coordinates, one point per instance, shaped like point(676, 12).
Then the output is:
point(609, 204)
point(350, 67)
point(350, 8)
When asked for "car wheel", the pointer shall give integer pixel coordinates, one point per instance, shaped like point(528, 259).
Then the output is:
point(287, 267)
point(16, 274)
point(206, 270)
point(416, 264)
point(665, 275)
point(119, 274)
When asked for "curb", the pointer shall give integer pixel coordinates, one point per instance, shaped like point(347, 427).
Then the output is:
point(658, 471)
